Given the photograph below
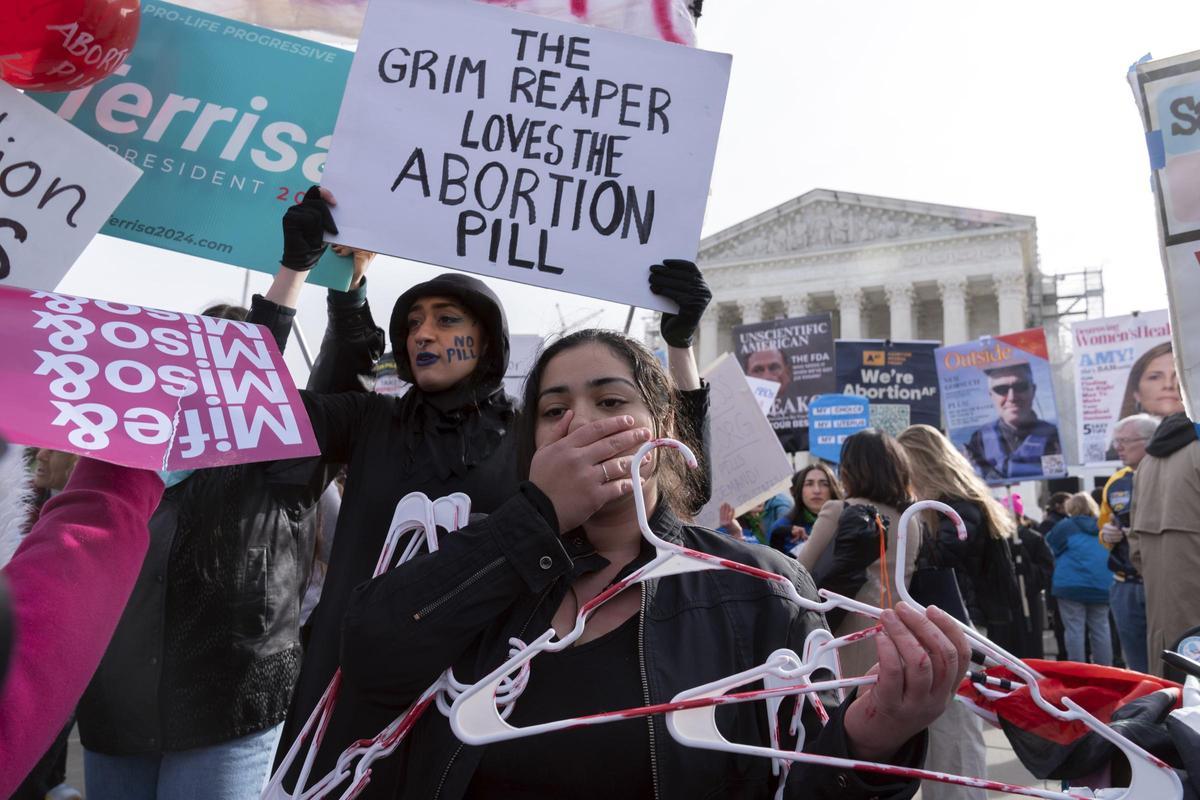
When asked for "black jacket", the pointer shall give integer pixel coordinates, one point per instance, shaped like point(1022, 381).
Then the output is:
point(1175, 433)
point(207, 649)
point(455, 441)
point(982, 564)
point(506, 575)
point(1034, 566)
point(460, 440)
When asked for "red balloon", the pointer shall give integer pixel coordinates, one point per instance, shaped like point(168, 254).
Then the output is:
point(62, 45)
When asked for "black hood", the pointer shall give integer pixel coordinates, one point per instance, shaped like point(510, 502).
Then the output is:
point(479, 299)
point(1175, 433)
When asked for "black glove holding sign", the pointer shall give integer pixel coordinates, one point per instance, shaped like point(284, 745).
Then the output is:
point(304, 229)
point(855, 547)
point(681, 281)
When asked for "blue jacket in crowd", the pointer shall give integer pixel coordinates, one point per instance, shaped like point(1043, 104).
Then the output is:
point(1080, 561)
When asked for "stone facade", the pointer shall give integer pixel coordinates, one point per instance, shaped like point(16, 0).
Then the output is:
point(885, 268)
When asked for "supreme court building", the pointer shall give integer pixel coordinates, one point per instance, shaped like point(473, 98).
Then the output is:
point(885, 268)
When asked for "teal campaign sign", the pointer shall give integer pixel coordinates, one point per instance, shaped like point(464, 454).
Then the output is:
point(228, 122)
point(832, 418)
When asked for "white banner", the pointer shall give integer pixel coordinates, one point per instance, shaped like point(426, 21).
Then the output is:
point(57, 187)
point(749, 464)
point(1123, 366)
point(524, 148)
point(669, 20)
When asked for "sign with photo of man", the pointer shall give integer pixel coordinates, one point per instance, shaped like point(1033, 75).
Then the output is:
point(797, 354)
point(998, 400)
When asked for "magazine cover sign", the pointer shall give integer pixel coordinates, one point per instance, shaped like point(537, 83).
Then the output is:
point(797, 354)
point(998, 399)
point(1123, 366)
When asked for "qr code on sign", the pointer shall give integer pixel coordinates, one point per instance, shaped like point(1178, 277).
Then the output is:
point(1054, 465)
point(890, 417)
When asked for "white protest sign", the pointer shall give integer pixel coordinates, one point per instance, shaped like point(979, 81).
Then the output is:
point(524, 148)
point(57, 187)
point(764, 392)
point(749, 464)
point(1167, 92)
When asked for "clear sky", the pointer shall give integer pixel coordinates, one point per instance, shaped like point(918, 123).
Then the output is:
point(1018, 107)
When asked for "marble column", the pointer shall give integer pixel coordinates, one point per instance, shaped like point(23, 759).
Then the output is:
point(751, 310)
point(706, 353)
point(954, 309)
point(850, 300)
point(900, 303)
point(1010, 294)
point(796, 305)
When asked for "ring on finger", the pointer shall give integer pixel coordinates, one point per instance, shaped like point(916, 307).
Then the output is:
point(604, 469)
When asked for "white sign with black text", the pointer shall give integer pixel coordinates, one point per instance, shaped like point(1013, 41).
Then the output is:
point(57, 187)
point(524, 148)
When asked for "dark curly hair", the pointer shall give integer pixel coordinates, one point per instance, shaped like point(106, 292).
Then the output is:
point(657, 391)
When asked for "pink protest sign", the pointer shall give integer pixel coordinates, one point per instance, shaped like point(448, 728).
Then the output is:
point(145, 388)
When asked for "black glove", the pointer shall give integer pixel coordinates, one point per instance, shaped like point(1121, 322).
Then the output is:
point(304, 228)
point(682, 282)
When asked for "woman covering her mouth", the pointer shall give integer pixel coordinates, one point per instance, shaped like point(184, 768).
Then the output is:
point(451, 432)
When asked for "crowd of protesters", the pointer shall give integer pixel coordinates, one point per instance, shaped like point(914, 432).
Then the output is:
point(190, 622)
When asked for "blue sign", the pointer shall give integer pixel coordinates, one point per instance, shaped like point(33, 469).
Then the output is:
point(831, 419)
point(229, 123)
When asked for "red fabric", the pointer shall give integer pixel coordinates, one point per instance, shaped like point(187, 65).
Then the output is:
point(1099, 690)
point(1032, 341)
point(69, 582)
point(662, 18)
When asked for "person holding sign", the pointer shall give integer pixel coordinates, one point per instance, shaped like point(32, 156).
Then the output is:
point(451, 432)
point(569, 532)
point(195, 684)
point(1013, 445)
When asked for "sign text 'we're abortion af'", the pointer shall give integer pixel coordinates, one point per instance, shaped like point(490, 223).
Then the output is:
point(142, 387)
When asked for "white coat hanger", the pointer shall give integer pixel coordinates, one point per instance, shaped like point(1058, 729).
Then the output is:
point(1152, 779)
point(476, 719)
point(417, 515)
point(474, 715)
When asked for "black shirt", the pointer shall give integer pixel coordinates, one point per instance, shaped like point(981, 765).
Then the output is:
point(597, 762)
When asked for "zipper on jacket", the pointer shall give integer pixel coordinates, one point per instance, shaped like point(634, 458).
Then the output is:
point(646, 688)
point(485, 569)
point(446, 772)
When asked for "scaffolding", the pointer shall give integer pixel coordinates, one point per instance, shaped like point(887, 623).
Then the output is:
point(1068, 297)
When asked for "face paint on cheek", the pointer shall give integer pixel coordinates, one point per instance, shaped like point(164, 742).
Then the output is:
point(463, 350)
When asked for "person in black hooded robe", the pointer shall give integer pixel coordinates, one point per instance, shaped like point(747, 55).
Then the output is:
point(449, 433)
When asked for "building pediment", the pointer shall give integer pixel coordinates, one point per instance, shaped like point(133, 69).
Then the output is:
point(823, 220)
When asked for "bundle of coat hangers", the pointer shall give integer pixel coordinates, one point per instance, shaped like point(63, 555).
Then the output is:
point(478, 712)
